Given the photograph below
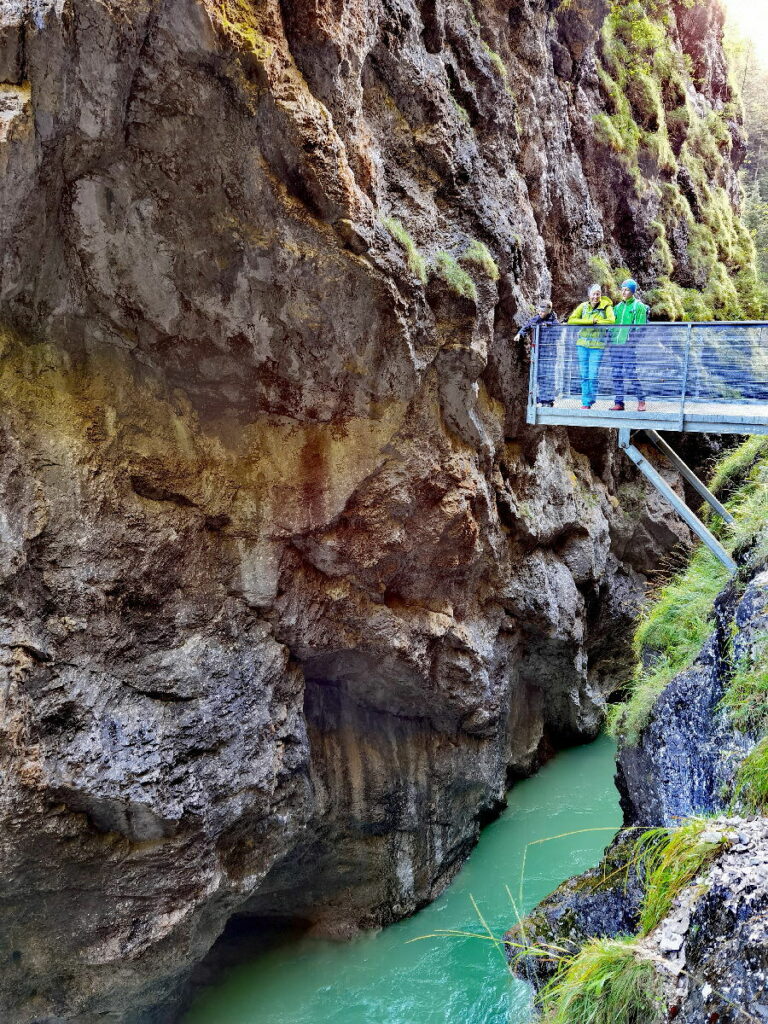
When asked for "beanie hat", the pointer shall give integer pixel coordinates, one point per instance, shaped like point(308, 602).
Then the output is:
point(632, 285)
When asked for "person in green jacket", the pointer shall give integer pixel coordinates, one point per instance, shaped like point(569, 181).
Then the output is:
point(590, 345)
point(628, 312)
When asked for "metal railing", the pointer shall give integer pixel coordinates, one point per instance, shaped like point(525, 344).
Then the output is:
point(714, 369)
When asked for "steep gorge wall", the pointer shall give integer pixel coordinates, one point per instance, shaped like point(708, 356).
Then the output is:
point(289, 590)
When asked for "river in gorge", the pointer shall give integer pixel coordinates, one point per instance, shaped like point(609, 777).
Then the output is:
point(385, 978)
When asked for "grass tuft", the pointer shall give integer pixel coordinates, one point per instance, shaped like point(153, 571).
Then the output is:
point(607, 982)
point(670, 859)
point(479, 255)
point(751, 789)
point(733, 470)
point(448, 270)
point(416, 262)
point(746, 695)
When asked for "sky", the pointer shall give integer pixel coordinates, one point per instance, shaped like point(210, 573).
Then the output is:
point(751, 18)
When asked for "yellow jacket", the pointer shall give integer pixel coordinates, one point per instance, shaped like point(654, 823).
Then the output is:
point(586, 314)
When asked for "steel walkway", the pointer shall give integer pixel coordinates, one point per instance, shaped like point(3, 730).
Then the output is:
point(691, 378)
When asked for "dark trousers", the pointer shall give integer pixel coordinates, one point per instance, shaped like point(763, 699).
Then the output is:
point(546, 365)
point(624, 367)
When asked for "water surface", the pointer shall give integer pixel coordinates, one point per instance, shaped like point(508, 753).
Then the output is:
point(382, 979)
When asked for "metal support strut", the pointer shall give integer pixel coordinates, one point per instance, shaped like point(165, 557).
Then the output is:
point(679, 506)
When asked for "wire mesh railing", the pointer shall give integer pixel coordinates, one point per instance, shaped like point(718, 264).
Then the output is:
point(662, 368)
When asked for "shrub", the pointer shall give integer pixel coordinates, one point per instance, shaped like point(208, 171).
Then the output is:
point(608, 133)
point(666, 300)
point(604, 274)
point(695, 307)
point(414, 259)
point(607, 982)
point(655, 145)
point(643, 93)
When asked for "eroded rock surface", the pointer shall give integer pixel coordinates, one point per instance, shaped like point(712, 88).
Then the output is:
point(287, 583)
point(710, 951)
point(686, 758)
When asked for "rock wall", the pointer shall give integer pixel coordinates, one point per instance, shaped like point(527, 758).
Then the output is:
point(287, 583)
point(686, 756)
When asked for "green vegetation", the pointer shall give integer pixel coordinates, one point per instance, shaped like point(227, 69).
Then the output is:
point(669, 636)
point(733, 470)
point(446, 267)
point(479, 255)
point(750, 78)
point(675, 626)
point(663, 138)
point(496, 62)
point(608, 278)
point(612, 980)
point(608, 981)
point(670, 860)
point(416, 262)
point(751, 790)
point(746, 695)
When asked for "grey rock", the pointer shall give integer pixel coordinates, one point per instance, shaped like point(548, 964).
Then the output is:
point(686, 758)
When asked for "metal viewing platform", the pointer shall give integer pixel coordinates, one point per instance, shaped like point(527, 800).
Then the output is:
point(686, 378)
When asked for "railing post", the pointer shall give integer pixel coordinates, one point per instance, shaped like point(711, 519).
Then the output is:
point(533, 384)
point(685, 374)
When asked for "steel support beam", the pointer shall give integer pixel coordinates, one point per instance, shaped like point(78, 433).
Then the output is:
point(689, 475)
point(677, 504)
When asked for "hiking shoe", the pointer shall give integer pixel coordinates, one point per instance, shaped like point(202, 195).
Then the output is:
point(617, 407)
point(641, 406)
point(549, 405)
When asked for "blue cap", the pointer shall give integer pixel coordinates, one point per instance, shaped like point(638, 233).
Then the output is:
point(632, 285)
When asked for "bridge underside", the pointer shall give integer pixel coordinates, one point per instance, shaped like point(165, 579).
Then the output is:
point(697, 418)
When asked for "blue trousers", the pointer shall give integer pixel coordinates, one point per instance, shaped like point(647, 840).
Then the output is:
point(589, 371)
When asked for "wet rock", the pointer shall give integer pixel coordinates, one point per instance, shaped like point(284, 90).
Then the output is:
point(686, 757)
point(602, 902)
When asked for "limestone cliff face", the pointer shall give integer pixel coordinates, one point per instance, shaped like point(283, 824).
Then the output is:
point(287, 585)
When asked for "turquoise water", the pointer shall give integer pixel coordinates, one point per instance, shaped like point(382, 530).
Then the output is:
point(382, 979)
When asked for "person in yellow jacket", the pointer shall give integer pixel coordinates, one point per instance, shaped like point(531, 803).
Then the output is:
point(590, 345)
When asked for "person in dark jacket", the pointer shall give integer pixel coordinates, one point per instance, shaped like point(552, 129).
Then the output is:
point(547, 356)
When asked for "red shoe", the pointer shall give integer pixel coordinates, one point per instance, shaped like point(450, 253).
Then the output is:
point(618, 407)
point(641, 406)
point(586, 407)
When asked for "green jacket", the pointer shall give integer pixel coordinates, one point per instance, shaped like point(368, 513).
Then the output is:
point(634, 312)
point(585, 314)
